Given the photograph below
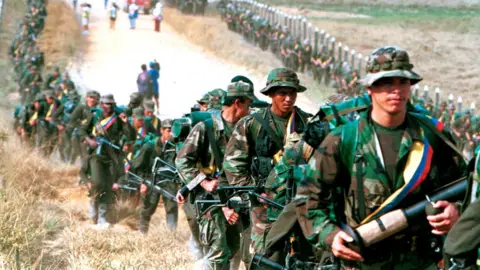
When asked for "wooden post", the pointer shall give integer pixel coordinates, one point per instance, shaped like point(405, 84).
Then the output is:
point(326, 40)
point(310, 32)
point(460, 103)
point(416, 88)
point(331, 48)
point(339, 58)
point(305, 33)
point(359, 68)
point(345, 53)
point(437, 96)
point(316, 39)
point(425, 93)
point(472, 108)
point(352, 61)
point(450, 99)
point(322, 36)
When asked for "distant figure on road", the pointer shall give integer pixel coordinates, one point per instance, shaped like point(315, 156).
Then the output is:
point(155, 75)
point(86, 7)
point(157, 16)
point(132, 14)
point(113, 14)
point(75, 2)
point(145, 83)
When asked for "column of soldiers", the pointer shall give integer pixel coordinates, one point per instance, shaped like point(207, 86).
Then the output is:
point(296, 54)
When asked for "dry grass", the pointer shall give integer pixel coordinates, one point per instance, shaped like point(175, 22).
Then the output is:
point(62, 36)
point(43, 211)
point(11, 17)
point(212, 34)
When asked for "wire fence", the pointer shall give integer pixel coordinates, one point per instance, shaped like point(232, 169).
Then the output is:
point(301, 28)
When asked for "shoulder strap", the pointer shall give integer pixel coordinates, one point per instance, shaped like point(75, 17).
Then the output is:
point(211, 138)
point(348, 144)
point(269, 130)
point(348, 153)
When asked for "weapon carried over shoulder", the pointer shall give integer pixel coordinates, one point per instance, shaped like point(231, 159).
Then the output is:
point(396, 221)
point(231, 196)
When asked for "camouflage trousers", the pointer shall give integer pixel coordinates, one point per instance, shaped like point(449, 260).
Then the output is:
point(223, 240)
point(260, 228)
point(149, 205)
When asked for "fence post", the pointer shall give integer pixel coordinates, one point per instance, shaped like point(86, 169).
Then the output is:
point(450, 99)
point(322, 36)
point(425, 92)
point(415, 90)
point(352, 64)
point(310, 32)
point(437, 96)
point(339, 58)
point(332, 46)
point(316, 38)
point(460, 103)
point(359, 68)
point(345, 53)
point(472, 108)
point(305, 33)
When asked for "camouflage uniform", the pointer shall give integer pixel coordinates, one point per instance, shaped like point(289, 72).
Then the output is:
point(340, 173)
point(104, 161)
point(251, 152)
point(221, 238)
point(69, 150)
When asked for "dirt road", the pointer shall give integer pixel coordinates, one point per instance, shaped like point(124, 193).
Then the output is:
point(113, 61)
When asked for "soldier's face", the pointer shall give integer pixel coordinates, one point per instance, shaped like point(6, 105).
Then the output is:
point(49, 100)
point(390, 95)
point(107, 108)
point(148, 113)
point(138, 123)
point(242, 108)
point(203, 107)
point(284, 99)
point(36, 105)
point(91, 102)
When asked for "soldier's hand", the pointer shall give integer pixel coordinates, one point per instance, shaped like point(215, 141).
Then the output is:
point(143, 189)
point(92, 143)
point(27, 89)
point(443, 222)
point(230, 215)
point(180, 198)
point(61, 128)
point(123, 117)
point(343, 252)
point(209, 185)
point(127, 148)
point(115, 187)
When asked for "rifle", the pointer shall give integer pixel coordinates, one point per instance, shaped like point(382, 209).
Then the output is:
point(101, 141)
point(261, 263)
point(399, 220)
point(154, 187)
point(229, 198)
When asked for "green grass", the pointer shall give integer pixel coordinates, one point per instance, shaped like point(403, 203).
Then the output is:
point(447, 19)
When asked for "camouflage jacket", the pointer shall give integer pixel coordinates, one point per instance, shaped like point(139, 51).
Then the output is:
point(290, 167)
point(329, 188)
point(241, 148)
point(195, 160)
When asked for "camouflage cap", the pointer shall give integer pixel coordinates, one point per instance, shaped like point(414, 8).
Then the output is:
point(215, 98)
point(138, 113)
point(149, 105)
point(93, 93)
point(135, 97)
point(241, 78)
point(108, 98)
point(282, 77)
point(387, 62)
point(167, 123)
point(49, 93)
point(39, 96)
point(205, 99)
point(241, 89)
